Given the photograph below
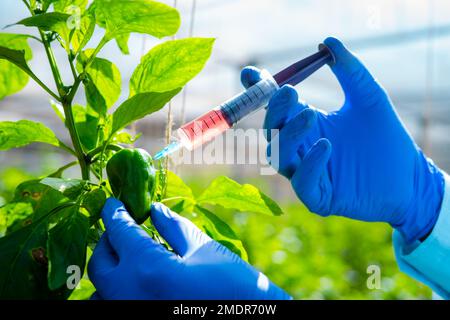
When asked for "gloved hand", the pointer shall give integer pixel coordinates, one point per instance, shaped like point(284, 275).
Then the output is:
point(359, 161)
point(128, 264)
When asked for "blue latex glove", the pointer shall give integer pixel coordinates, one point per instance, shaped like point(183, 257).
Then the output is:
point(375, 171)
point(128, 264)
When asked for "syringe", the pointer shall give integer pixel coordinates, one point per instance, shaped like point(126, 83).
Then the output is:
point(213, 123)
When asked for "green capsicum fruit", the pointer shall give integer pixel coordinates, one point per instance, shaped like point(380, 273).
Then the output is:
point(132, 178)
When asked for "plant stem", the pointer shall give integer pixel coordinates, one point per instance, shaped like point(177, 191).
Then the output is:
point(66, 99)
point(78, 79)
point(69, 165)
point(169, 125)
point(43, 86)
point(98, 150)
point(26, 4)
point(98, 226)
point(59, 172)
point(99, 47)
point(73, 91)
point(35, 38)
point(95, 173)
point(42, 40)
point(70, 123)
point(72, 68)
point(65, 147)
point(52, 62)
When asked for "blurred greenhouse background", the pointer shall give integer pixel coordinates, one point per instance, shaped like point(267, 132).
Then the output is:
point(404, 42)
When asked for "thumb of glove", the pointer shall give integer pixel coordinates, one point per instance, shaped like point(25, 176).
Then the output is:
point(356, 81)
point(181, 234)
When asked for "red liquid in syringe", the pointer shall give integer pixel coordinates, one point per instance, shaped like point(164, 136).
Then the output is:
point(203, 129)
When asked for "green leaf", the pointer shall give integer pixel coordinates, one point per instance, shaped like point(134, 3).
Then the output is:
point(84, 290)
point(69, 6)
point(125, 137)
point(52, 21)
point(220, 231)
point(23, 266)
point(140, 106)
point(24, 262)
point(93, 202)
point(18, 57)
point(24, 258)
point(14, 54)
point(45, 21)
point(66, 245)
point(94, 97)
point(23, 132)
point(170, 65)
point(103, 85)
point(59, 172)
point(178, 196)
point(94, 236)
point(122, 43)
point(231, 195)
point(86, 122)
point(70, 188)
point(141, 16)
point(83, 34)
point(41, 197)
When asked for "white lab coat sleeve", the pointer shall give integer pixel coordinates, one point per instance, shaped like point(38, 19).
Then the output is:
point(429, 261)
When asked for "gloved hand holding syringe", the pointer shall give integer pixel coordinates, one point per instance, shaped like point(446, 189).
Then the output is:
point(213, 123)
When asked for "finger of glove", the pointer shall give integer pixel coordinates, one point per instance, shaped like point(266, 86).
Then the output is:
point(103, 260)
point(355, 79)
point(306, 180)
point(282, 150)
point(125, 236)
point(250, 76)
point(181, 234)
point(283, 106)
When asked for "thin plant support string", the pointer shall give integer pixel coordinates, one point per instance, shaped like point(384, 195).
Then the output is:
point(169, 122)
point(191, 33)
point(185, 91)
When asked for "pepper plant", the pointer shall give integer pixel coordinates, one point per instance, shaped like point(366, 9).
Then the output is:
point(52, 223)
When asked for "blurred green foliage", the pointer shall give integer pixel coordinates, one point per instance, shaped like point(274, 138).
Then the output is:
point(312, 257)
point(309, 256)
point(325, 258)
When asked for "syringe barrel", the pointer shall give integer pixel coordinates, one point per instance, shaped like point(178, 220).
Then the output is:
point(202, 129)
point(250, 100)
point(213, 123)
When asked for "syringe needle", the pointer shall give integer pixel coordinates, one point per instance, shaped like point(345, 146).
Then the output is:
point(169, 149)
